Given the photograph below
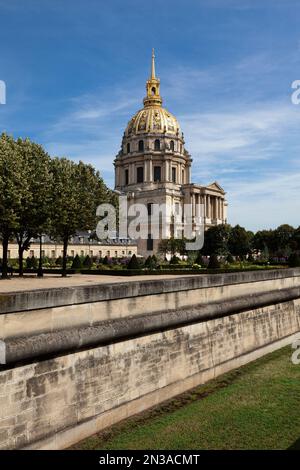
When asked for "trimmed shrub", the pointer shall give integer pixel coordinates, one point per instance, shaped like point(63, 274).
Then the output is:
point(31, 262)
point(214, 262)
point(76, 264)
point(174, 260)
point(87, 263)
point(229, 258)
point(133, 263)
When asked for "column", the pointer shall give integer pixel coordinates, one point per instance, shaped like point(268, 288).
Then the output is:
point(208, 206)
point(150, 171)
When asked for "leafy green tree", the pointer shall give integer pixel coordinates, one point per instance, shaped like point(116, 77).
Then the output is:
point(77, 190)
point(282, 238)
point(216, 240)
point(13, 191)
point(239, 242)
point(33, 216)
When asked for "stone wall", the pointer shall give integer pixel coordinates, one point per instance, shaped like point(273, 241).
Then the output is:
point(53, 402)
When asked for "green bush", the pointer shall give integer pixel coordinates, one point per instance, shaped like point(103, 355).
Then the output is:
point(133, 263)
point(59, 261)
point(294, 260)
point(76, 264)
point(199, 260)
point(229, 258)
point(31, 262)
point(87, 263)
point(214, 262)
point(174, 260)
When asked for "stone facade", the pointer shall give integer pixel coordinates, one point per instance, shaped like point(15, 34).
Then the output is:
point(153, 166)
point(53, 403)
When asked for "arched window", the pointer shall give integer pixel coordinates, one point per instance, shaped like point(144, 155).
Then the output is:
point(180, 148)
point(153, 91)
point(128, 147)
point(157, 144)
point(141, 145)
point(172, 145)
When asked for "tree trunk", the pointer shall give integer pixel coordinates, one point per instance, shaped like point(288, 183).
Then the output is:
point(21, 252)
point(64, 265)
point(40, 268)
point(4, 260)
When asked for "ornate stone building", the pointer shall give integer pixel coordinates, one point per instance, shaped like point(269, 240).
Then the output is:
point(153, 165)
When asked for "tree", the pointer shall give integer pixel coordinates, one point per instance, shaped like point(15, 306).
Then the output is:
point(13, 191)
point(239, 242)
point(76, 264)
point(282, 238)
point(34, 213)
point(77, 190)
point(216, 240)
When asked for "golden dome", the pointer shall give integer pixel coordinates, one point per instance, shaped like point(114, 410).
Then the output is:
point(153, 118)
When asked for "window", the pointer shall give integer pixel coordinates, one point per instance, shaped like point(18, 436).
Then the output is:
point(43, 253)
point(157, 144)
point(100, 254)
point(149, 243)
point(31, 253)
point(108, 253)
point(82, 253)
point(129, 252)
point(140, 174)
point(149, 208)
point(53, 254)
point(72, 253)
point(180, 148)
point(172, 147)
point(91, 253)
point(141, 145)
point(174, 174)
point(126, 176)
point(116, 254)
point(8, 254)
point(153, 90)
point(182, 177)
point(157, 173)
point(128, 147)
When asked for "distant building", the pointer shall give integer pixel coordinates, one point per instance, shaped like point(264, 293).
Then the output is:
point(80, 245)
point(153, 165)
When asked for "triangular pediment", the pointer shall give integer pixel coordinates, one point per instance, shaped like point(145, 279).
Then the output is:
point(215, 185)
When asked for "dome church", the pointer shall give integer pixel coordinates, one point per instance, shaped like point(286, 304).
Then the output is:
point(154, 167)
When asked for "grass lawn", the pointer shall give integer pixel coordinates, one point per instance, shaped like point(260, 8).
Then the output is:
point(254, 407)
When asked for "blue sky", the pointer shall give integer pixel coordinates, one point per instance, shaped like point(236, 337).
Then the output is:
point(75, 73)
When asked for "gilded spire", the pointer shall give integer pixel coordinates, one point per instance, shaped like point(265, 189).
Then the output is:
point(153, 65)
point(153, 97)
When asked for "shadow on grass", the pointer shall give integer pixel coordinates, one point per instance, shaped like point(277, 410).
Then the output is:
point(295, 445)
